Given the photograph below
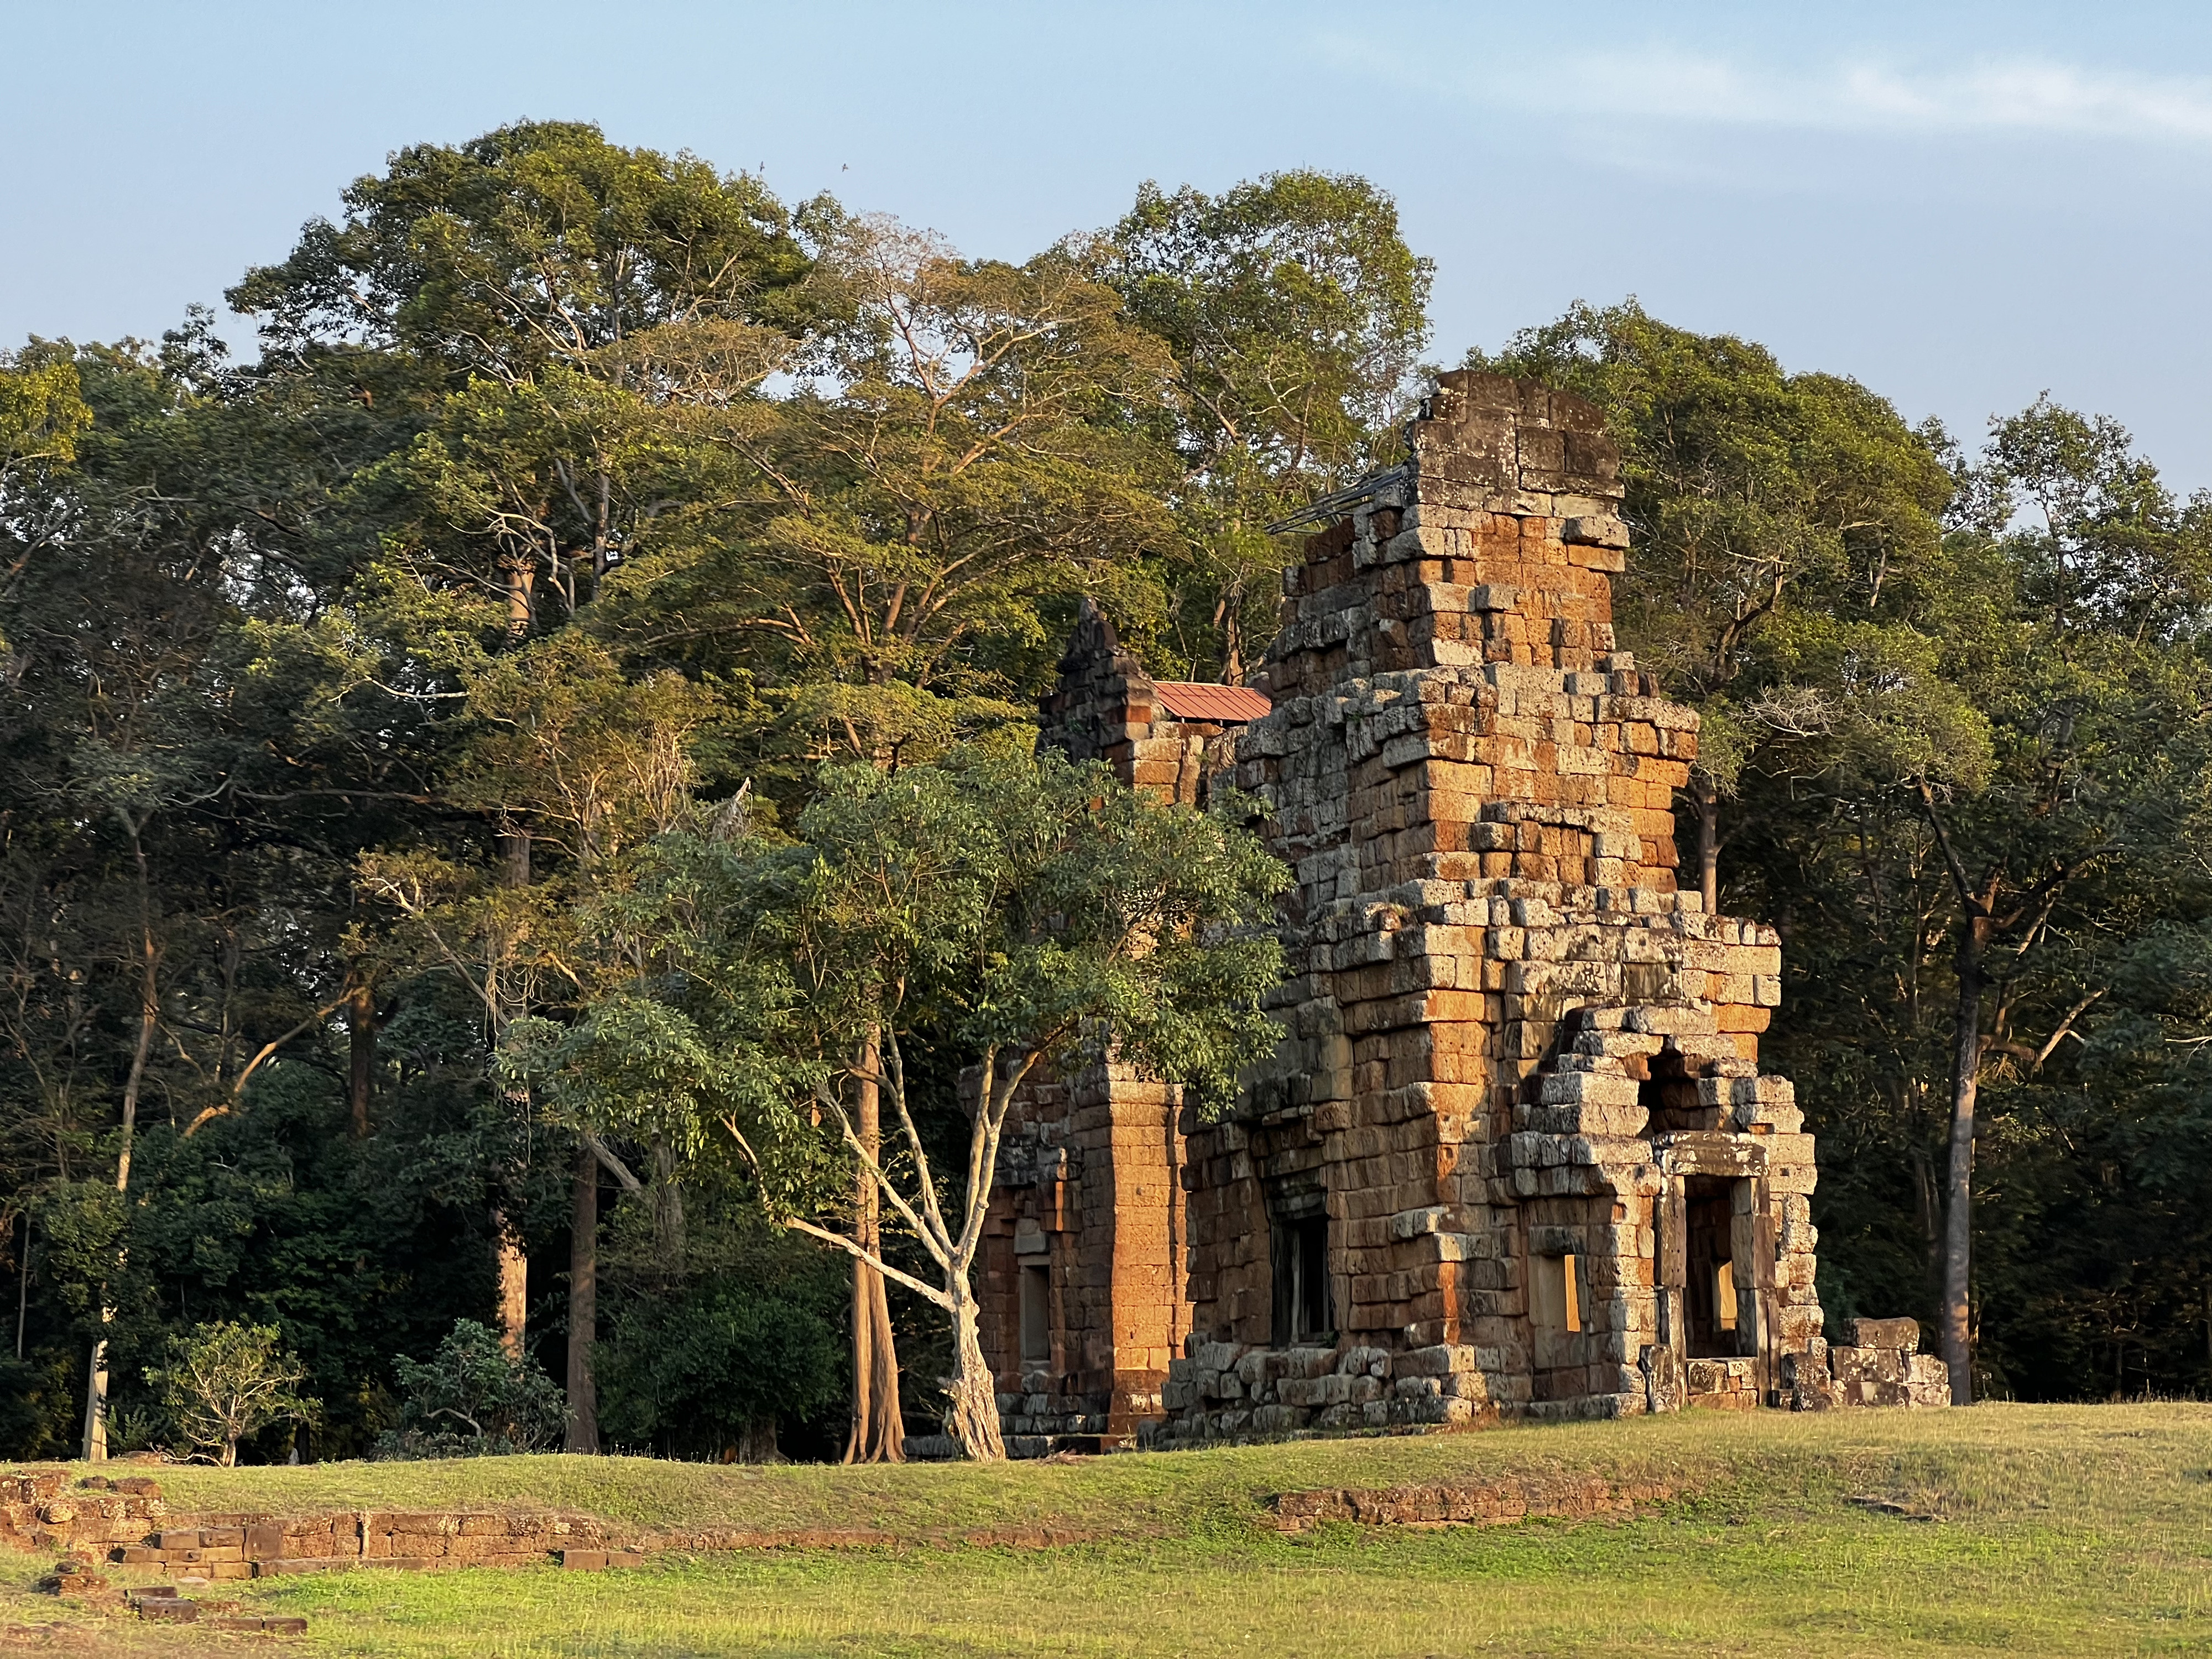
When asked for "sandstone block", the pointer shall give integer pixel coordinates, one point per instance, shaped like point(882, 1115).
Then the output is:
point(1903, 1334)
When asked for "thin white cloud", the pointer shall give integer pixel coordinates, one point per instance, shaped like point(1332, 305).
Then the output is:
point(2037, 97)
point(2021, 96)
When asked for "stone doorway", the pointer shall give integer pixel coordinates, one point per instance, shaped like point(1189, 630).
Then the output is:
point(1719, 1308)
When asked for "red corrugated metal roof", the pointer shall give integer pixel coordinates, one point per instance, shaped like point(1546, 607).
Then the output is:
point(1231, 705)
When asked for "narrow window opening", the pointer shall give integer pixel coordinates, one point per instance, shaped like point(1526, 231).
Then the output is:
point(1313, 1278)
point(1299, 1249)
point(1724, 1294)
point(1036, 1315)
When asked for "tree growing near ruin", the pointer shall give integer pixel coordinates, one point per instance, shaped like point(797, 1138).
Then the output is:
point(964, 454)
point(593, 763)
point(1014, 915)
point(967, 450)
point(1754, 498)
point(1297, 315)
point(226, 1382)
point(2084, 707)
point(472, 1398)
point(564, 329)
point(1973, 849)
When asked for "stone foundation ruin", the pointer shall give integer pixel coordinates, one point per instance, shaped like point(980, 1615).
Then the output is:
point(1515, 1156)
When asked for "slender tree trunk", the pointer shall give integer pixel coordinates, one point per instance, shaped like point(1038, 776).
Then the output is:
point(96, 1397)
point(973, 1418)
point(360, 1052)
point(1958, 1213)
point(510, 1001)
point(878, 1431)
point(1709, 842)
point(583, 1305)
point(149, 1011)
point(513, 1270)
point(667, 1193)
point(520, 577)
point(1232, 635)
point(23, 1288)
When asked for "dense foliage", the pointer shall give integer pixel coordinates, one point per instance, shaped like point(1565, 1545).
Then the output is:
point(471, 1398)
point(444, 763)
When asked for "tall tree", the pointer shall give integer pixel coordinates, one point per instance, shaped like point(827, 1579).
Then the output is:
point(168, 938)
point(1296, 313)
point(2083, 711)
point(962, 459)
point(595, 764)
point(1960, 852)
point(1750, 494)
point(966, 452)
point(1017, 913)
point(575, 309)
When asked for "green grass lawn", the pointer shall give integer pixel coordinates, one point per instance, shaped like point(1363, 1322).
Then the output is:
point(2063, 1530)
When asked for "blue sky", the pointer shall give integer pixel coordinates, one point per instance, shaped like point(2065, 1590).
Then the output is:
point(1960, 205)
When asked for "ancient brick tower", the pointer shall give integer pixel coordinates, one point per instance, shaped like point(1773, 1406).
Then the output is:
point(1514, 1155)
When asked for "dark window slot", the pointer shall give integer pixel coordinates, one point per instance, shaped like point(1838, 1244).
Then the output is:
point(1303, 1312)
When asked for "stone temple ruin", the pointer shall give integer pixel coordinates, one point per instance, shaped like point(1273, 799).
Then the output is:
point(1515, 1157)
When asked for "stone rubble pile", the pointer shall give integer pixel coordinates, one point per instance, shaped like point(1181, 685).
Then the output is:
point(1882, 1365)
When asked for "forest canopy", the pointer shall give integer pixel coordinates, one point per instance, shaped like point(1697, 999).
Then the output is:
point(433, 749)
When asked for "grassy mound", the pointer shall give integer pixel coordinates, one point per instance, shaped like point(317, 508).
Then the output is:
point(2032, 1529)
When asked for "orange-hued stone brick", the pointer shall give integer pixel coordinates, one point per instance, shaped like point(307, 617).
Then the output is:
point(1494, 974)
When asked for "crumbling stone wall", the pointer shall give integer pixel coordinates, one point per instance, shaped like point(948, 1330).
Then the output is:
point(1106, 707)
point(1514, 1155)
point(1881, 1365)
point(1089, 1197)
point(1514, 1044)
point(125, 1520)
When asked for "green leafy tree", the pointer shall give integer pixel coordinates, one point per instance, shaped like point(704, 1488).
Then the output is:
point(2083, 710)
point(567, 329)
point(582, 764)
point(1964, 847)
point(225, 1383)
point(538, 243)
point(1018, 914)
point(968, 450)
point(713, 1362)
point(963, 459)
point(1297, 315)
point(167, 934)
point(42, 408)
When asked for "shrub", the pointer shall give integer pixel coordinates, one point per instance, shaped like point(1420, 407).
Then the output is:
point(225, 1383)
point(473, 1399)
